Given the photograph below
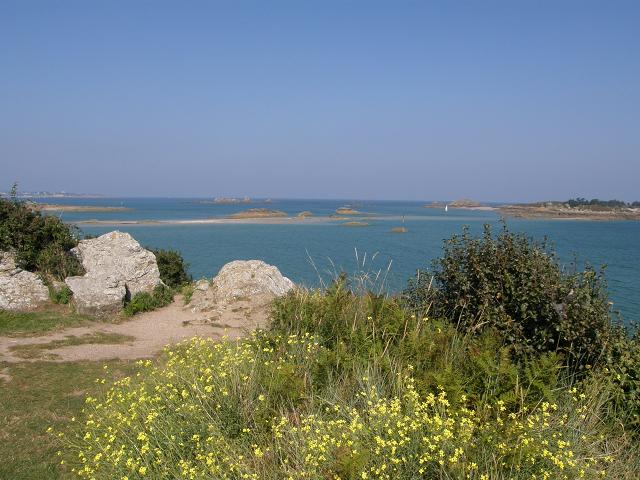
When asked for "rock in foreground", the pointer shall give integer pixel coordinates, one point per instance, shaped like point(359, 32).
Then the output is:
point(19, 290)
point(252, 280)
point(117, 267)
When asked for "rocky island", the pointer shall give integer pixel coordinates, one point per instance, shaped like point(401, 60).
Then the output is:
point(463, 204)
point(258, 213)
point(231, 200)
point(347, 211)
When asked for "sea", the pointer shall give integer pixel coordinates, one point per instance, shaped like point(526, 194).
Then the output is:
point(313, 253)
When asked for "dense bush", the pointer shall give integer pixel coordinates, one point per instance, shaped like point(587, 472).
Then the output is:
point(622, 371)
point(41, 242)
point(372, 331)
point(144, 301)
point(173, 268)
point(516, 285)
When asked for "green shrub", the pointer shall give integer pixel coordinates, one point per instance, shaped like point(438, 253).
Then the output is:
point(187, 292)
point(61, 296)
point(41, 242)
point(54, 260)
point(622, 371)
point(516, 285)
point(370, 331)
point(173, 268)
point(144, 302)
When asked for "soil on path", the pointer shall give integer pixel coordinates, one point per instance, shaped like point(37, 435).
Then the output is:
point(151, 332)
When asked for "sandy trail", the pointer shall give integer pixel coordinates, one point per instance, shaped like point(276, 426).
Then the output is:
point(152, 331)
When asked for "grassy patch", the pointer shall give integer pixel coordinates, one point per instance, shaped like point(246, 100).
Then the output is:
point(61, 296)
point(40, 395)
point(145, 302)
point(38, 349)
point(187, 292)
point(34, 323)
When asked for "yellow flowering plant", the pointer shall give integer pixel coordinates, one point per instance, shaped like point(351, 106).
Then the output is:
point(248, 409)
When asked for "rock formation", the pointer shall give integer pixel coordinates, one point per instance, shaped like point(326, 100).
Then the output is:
point(19, 290)
point(241, 280)
point(117, 266)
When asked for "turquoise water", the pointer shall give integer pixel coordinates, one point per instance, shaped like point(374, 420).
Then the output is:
point(332, 247)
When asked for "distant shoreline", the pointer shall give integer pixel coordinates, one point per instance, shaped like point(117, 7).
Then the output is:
point(545, 210)
point(49, 207)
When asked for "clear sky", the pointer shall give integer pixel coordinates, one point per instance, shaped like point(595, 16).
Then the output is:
point(512, 100)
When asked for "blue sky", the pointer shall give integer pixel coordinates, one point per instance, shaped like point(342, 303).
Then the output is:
point(512, 100)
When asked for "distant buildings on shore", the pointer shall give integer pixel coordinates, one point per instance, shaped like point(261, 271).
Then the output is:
point(42, 194)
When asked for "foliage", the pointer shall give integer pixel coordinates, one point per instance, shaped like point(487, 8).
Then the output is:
point(246, 409)
point(516, 286)
point(41, 242)
point(595, 202)
point(375, 332)
point(60, 296)
point(622, 371)
point(187, 292)
point(173, 268)
point(144, 301)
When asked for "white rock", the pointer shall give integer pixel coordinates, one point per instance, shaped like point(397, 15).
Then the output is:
point(97, 295)
point(19, 290)
point(241, 280)
point(116, 265)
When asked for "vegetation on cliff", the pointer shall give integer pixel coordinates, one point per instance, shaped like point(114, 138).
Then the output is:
point(41, 242)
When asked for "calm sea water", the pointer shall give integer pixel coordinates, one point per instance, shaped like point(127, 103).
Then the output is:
point(306, 252)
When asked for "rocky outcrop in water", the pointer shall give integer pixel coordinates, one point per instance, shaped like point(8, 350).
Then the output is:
point(117, 267)
point(19, 290)
point(241, 280)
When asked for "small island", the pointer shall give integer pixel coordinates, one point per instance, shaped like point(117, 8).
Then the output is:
point(231, 200)
point(462, 204)
point(355, 224)
point(258, 213)
point(347, 211)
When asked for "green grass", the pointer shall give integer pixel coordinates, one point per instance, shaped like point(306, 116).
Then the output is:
point(146, 302)
point(41, 395)
point(38, 350)
point(187, 292)
point(35, 323)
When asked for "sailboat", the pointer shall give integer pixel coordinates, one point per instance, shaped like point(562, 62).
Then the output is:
point(446, 208)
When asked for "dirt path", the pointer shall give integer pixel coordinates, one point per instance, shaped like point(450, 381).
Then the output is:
point(151, 331)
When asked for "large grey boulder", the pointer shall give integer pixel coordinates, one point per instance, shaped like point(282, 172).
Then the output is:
point(19, 290)
point(97, 295)
point(116, 266)
point(244, 280)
